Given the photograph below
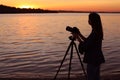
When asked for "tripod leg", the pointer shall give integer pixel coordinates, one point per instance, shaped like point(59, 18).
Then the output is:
point(80, 61)
point(71, 55)
point(62, 61)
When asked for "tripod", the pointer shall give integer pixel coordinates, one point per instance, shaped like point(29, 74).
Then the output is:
point(71, 45)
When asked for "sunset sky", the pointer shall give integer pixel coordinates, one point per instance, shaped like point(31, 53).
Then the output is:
point(80, 5)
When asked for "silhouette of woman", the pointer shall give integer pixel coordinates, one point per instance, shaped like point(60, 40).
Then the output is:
point(92, 47)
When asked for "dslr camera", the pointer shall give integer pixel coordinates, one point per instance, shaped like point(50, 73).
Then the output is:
point(72, 29)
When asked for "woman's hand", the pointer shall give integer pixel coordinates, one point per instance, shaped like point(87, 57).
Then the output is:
point(76, 36)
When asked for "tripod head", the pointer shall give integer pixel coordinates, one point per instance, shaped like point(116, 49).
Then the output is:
point(72, 38)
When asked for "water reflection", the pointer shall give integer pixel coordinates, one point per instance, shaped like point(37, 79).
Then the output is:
point(36, 43)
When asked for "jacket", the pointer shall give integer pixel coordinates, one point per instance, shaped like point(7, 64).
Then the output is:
point(92, 48)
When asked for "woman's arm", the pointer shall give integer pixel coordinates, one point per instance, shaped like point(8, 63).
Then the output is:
point(82, 37)
point(79, 37)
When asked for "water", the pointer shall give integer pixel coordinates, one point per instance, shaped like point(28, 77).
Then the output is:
point(33, 45)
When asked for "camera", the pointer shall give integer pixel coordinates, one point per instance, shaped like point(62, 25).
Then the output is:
point(72, 30)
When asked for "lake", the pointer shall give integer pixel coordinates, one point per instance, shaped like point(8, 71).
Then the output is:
point(33, 45)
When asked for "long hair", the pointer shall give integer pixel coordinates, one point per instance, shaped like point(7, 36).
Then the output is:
point(96, 24)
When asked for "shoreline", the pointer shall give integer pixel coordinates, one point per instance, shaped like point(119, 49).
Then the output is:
point(103, 77)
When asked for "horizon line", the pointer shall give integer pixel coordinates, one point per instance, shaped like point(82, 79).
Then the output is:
point(62, 10)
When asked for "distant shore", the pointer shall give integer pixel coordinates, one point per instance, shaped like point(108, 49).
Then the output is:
point(13, 10)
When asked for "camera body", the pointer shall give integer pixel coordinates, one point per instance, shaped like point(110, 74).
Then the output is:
point(72, 30)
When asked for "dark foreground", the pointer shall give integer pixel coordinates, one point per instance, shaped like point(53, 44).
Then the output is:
point(106, 77)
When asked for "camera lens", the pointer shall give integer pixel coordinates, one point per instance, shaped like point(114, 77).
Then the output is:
point(70, 29)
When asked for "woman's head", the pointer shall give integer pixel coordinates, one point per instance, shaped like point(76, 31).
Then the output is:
point(95, 22)
point(94, 19)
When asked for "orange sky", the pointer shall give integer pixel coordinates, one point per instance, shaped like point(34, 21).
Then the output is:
point(82, 5)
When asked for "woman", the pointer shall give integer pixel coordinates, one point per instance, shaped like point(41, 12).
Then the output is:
point(92, 47)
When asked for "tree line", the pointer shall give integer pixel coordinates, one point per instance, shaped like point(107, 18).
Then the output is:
point(9, 9)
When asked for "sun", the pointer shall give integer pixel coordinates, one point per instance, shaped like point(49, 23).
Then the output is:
point(25, 6)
